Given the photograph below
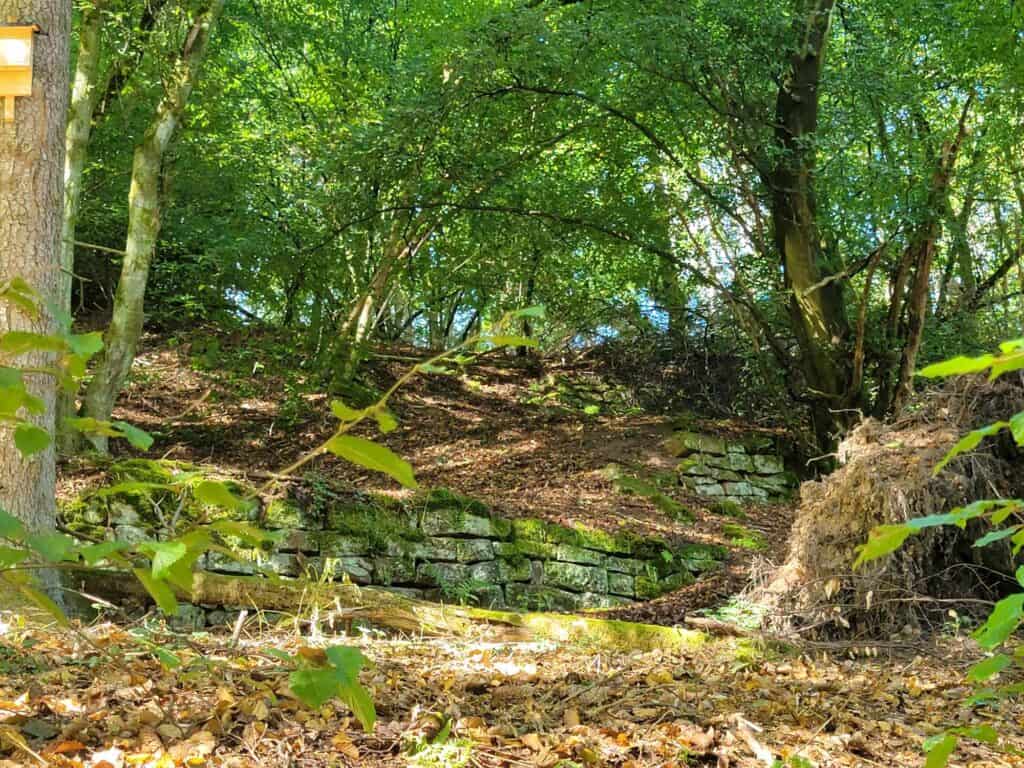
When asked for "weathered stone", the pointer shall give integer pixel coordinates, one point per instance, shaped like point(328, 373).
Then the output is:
point(758, 492)
point(285, 513)
point(221, 563)
point(448, 574)
point(189, 618)
point(739, 489)
point(410, 592)
point(393, 570)
point(735, 448)
point(358, 569)
point(456, 522)
point(577, 578)
point(490, 596)
point(279, 563)
point(768, 465)
point(531, 597)
point(699, 558)
point(131, 534)
point(694, 465)
point(776, 483)
point(333, 544)
point(300, 541)
point(715, 489)
point(473, 550)
point(683, 443)
point(518, 569)
point(430, 550)
point(570, 554)
point(621, 584)
point(121, 513)
point(629, 565)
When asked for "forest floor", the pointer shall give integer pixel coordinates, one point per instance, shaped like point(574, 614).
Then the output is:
point(98, 698)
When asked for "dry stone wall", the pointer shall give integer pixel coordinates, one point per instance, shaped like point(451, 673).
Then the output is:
point(441, 546)
point(738, 470)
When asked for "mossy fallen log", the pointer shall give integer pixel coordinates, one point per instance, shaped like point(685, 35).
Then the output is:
point(396, 612)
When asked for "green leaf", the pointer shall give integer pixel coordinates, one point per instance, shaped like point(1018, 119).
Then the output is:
point(436, 369)
point(957, 365)
point(984, 733)
point(1006, 364)
point(348, 661)
point(939, 748)
point(164, 554)
point(374, 456)
point(1017, 428)
point(10, 556)
point(11, 527)
point(247, 533)
point(536, 311)
point(42, 600)
point(386, 420)
point(993, 536)
point(883, 540)
point(1003, 620)
point(94, 553)
point(217, 494)
point(314, 686)
point(137, 438)
point(511, 341)
point(360, 703)
point(986, 668)
point(30, 439)
point(15, 343)
point(85, 345)
point(54, 547)
point(1019, 575)
point(969, 442)
point(158, 590)
point(344, 413)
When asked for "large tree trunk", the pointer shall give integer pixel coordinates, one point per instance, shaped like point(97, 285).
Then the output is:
point(31, 196)
point(122, 337)
point(816, 306)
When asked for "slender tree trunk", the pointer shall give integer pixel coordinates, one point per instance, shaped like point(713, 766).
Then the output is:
point(816, 307)
point(86, 91)
point(122, 337)
point(31, 196)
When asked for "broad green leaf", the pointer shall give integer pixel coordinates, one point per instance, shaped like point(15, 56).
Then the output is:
point(344, 413)
point(15, 343)
point(348, 661)
point(314, 686)
point(386, 420)
point(11, 527)
point(30, 439)
point(164, 554)
point(94, 553)
point(1017, 428)
point(1003, 620)
point(371, 455)
point(247, 533)
point(512, 341)
point(158, 590)
point(431, 368)
point(984, 733)
point(536, 311)
point(21, 295)
point(11, 556)
point(993, 536)
point(956, 366)
point(938, 749)
point(42, 600)
point(1019, 575)
point(969, 442)
point(360, 703)
point(883, 540)
point(137, 438)
point(85, 345)
point(54, 547)
point(92, 426)
point(1006, 364)
point(217, 494)
point(986, 668)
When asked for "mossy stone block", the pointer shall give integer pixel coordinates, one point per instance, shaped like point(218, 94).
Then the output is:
point(474, 550)
point(514, 570)
point(768, 465)
point(621, 584)
point(393, 570)
point(333, 544)
point(456, 522)
point(575, 578)
point(532, 597)
point(571, 554)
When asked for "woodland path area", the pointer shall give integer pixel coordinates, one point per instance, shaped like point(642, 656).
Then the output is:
point(480, 699)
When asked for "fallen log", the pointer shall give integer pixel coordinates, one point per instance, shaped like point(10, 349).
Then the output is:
point(396, 612)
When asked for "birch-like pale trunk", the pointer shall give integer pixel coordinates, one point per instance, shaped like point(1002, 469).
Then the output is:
point(122, 336)
point(31, 196)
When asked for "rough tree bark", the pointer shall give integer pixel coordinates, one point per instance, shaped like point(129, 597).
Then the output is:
point(816, 304)
point(31, 196)
point(122, 337)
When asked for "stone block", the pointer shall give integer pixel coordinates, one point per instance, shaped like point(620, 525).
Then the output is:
point(189, 618)
point(517, 569)
point(714, 489)
point(299, 541)
point(767, 465)
point(358, 569)
point(449, 574)
point(279, 563)
point(221, 563)
point(473, 550)
point(131, 534)
point(683, 443)
point(286, 513)
point(571, 554)
point(430, 550)
point(576, 578)
point(410, 592)
point(739, 489)
point(121, 513)
point(532, 597)
point(621, 584)
point(393, 570)
point(333, 544)
point(629, 565)
point(460, 523)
